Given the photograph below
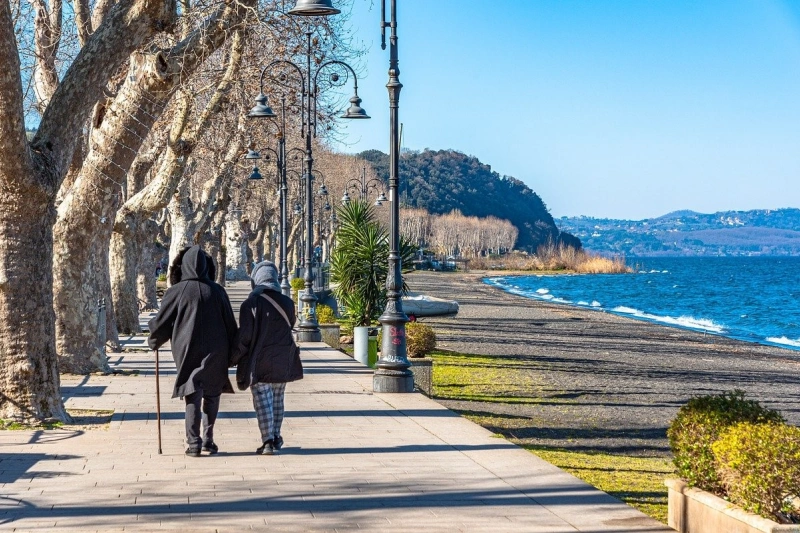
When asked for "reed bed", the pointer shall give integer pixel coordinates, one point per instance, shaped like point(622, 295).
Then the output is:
point(554, 257)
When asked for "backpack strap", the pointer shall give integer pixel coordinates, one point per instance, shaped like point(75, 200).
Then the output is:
point(278, 308)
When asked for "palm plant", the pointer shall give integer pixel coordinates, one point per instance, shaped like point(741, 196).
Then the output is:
point(360, 261)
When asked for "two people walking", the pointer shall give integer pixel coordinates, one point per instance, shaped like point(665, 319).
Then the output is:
point(196, 316)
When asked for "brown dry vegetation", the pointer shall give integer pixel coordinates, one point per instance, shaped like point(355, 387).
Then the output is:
point(554, 257)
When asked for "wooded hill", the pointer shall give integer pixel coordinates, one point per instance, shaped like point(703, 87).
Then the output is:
point(730, 233)
point(444, 180)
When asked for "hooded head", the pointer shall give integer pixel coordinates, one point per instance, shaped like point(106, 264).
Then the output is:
point(265, 275)
point(175, 274)
point(194, 264)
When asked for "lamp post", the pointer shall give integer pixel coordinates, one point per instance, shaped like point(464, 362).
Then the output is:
point(308, 327)
point(362, 186)
point(393, 372)
point(280, 161)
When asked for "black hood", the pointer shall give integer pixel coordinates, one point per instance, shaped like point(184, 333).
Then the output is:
point(194, 264)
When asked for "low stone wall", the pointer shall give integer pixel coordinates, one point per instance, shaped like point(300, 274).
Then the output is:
point(693, 510)
point(423, 374)
point(330, 334)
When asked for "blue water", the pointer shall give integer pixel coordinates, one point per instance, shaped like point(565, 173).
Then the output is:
point(755, 299)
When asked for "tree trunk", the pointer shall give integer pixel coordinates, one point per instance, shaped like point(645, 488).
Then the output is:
point(180, 215)
point(30, 381)
point(236, 249)
point(123, 253)
point(146, 278)
point(157, 194)
point(30, 175)
point(80, 268)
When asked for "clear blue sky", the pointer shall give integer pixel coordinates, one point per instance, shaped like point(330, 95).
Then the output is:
point(625, 109)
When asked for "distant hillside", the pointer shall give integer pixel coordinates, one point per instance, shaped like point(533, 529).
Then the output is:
point(730, 233)
point(444, 180)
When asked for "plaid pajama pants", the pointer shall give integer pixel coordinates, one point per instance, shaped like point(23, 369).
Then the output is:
point(268, 402)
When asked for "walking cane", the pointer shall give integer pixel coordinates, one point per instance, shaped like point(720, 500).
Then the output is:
point(158, 404)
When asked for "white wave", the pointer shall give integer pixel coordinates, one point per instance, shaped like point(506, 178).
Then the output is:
point(546, 296)
point(627, 310)
point(542, 291)
point(665, 271)
point(784, 340)
point(561, 301)
point(702, 324)
point(595, 303)
point(582, 302)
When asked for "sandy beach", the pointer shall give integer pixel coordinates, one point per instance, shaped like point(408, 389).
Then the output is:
point(598, 381)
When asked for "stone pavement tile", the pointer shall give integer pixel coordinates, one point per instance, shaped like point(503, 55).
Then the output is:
point(353, 460)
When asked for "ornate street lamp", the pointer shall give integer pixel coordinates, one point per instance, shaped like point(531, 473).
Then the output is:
point(262, 110)
point(362, 186)
point(308, 327)
point(313, 8)
point(393, 371)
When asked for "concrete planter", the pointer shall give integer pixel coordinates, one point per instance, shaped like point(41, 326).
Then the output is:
point(693, 510)
point(422, 367)
point(330, 334)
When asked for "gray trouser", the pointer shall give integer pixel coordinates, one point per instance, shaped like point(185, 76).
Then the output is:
point(268, 400)
point(193, 418)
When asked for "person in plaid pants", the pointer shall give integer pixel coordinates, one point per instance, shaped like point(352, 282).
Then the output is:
point(266, 355)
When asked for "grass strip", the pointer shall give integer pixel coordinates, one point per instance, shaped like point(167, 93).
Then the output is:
point(636, 480)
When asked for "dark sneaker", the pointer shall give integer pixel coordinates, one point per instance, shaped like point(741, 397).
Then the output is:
point(210, 447)
point(266, 449)
point(193, 452)
point(277, 443)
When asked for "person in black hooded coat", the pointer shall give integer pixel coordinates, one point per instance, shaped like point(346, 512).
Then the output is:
point(266, 353)
point(196, 315)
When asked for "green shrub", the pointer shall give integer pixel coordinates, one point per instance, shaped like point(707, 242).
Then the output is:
point(325, 314)
point(297, 284)
point(420, 339)
point(759, 466)
point(699, 423)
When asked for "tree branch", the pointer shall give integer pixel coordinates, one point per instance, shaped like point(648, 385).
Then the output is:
point(158, 192)
point(128, 25)
point(83, 22)
point(15, 158)
point(47, 37)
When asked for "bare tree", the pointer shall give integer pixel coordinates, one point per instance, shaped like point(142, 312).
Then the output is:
point(30, 175)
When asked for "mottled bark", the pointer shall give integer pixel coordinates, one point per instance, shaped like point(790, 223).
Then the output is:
point(47, 38)
point(191, 219)
point(123, 258)
point(102, 185)
point(83, 22)
point(29, 179)
point(235, 248)
point(158, 193)
point(126, 27)
point(146, 278)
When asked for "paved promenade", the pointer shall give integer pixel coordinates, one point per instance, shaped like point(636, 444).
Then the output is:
point(353, 460)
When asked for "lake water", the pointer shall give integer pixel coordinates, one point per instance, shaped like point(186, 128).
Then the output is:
point(755, 299)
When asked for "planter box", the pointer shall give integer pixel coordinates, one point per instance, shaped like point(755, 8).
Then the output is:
point(697, 511)
point(422, 367)
point(330, 334)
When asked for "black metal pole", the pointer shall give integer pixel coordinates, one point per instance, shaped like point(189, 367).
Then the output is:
point(393, 372)
point(286, 288)
point(308, 328)
point(158, 402)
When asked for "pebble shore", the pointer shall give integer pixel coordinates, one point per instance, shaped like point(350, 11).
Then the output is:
point(600, 381)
